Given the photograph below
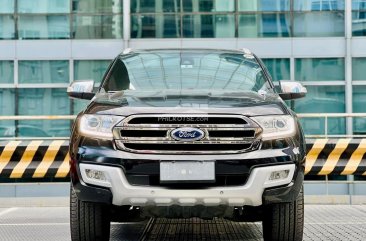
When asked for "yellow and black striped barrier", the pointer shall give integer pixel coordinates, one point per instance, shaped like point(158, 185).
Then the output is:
point(37, 159)
point(345, 156)
point(34, 159)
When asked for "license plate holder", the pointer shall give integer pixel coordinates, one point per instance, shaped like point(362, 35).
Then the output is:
point(187, 172)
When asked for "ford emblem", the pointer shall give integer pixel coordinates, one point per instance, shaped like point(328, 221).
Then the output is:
point(187, 134)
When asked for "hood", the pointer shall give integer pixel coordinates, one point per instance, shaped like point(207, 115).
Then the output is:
point(195, 102)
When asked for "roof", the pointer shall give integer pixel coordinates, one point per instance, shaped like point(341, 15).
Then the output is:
point(239, 51)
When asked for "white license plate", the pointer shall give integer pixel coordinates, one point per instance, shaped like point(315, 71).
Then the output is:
point(187, 171)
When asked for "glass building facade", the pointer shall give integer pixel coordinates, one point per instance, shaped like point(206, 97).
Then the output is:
point(46, 44)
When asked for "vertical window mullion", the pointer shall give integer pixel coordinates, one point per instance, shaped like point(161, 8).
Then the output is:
point(236, 34)
point(15, 15)
point(71, 19)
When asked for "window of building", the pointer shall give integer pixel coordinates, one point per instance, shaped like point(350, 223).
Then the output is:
point(43, 71)
point(264, 25)
point(359, 19)
point(359, 100)
point(7, 6)
point(318, 18)
point(359, 23)
point(319, 24)
point(322, 99)
point(359, 68)
point(359, 94)
point(7, 102)
point(155, 6)
point(208, 6)
point(95, 19)
point(155, 26)
point(358, 5)
point(97, 27)
point(278, 68)
point(44, 101)
point(243, 18)
point(7, 107)
point(43, 6)
point(43, 27)
point(90, 69)
point(263, 5)
point(319, 5)
point(319, 69)
point(209, 26)
point(264, 18)
point(6, 72)
point(98, 6)
point(7, 27)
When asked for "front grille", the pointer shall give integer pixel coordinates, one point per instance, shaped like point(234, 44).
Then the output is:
point(154, 134)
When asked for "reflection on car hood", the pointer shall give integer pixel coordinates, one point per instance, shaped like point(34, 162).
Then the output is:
point(187, 101)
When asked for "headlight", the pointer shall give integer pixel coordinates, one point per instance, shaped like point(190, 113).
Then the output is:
point(275, 127)
point(99, 126)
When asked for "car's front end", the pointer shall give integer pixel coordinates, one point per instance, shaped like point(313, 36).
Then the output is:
point(188, 152)
point(225, 170)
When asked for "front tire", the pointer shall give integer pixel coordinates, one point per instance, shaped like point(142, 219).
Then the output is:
point(88, 221)
point(284, 221)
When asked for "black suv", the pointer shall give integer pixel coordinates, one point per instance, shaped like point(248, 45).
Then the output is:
point(187, 133)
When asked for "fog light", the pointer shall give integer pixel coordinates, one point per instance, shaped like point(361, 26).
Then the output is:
point(95, 174)
point(277, 175)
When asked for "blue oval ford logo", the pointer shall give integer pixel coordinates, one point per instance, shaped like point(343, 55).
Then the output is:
point(187, 134)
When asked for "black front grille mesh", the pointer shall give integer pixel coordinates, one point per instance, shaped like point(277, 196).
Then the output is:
point(186, 147)
point(143, 133)
point(234, 133)
point(188, 120)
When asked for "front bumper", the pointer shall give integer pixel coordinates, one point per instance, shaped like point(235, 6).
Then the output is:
point(249, 194)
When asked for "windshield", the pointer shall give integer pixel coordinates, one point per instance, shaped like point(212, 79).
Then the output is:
point(186, 70)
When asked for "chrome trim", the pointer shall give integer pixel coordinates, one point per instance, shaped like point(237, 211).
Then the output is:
point(187, 142)
point(249, 194)
point(206, 128)
point(121, 146)
point(147, 126)
point(211, 128)
point(166, 139)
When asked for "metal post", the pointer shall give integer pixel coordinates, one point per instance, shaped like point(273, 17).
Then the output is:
point(126, 23)
point(348, 64)
point(348, 73)
point(16, 92)
point(326, 126)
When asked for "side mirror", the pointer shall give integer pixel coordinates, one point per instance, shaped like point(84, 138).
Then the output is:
point(292, 90)
point(81, 89)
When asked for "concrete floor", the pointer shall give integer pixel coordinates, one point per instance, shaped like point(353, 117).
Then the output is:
point(322, 222)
